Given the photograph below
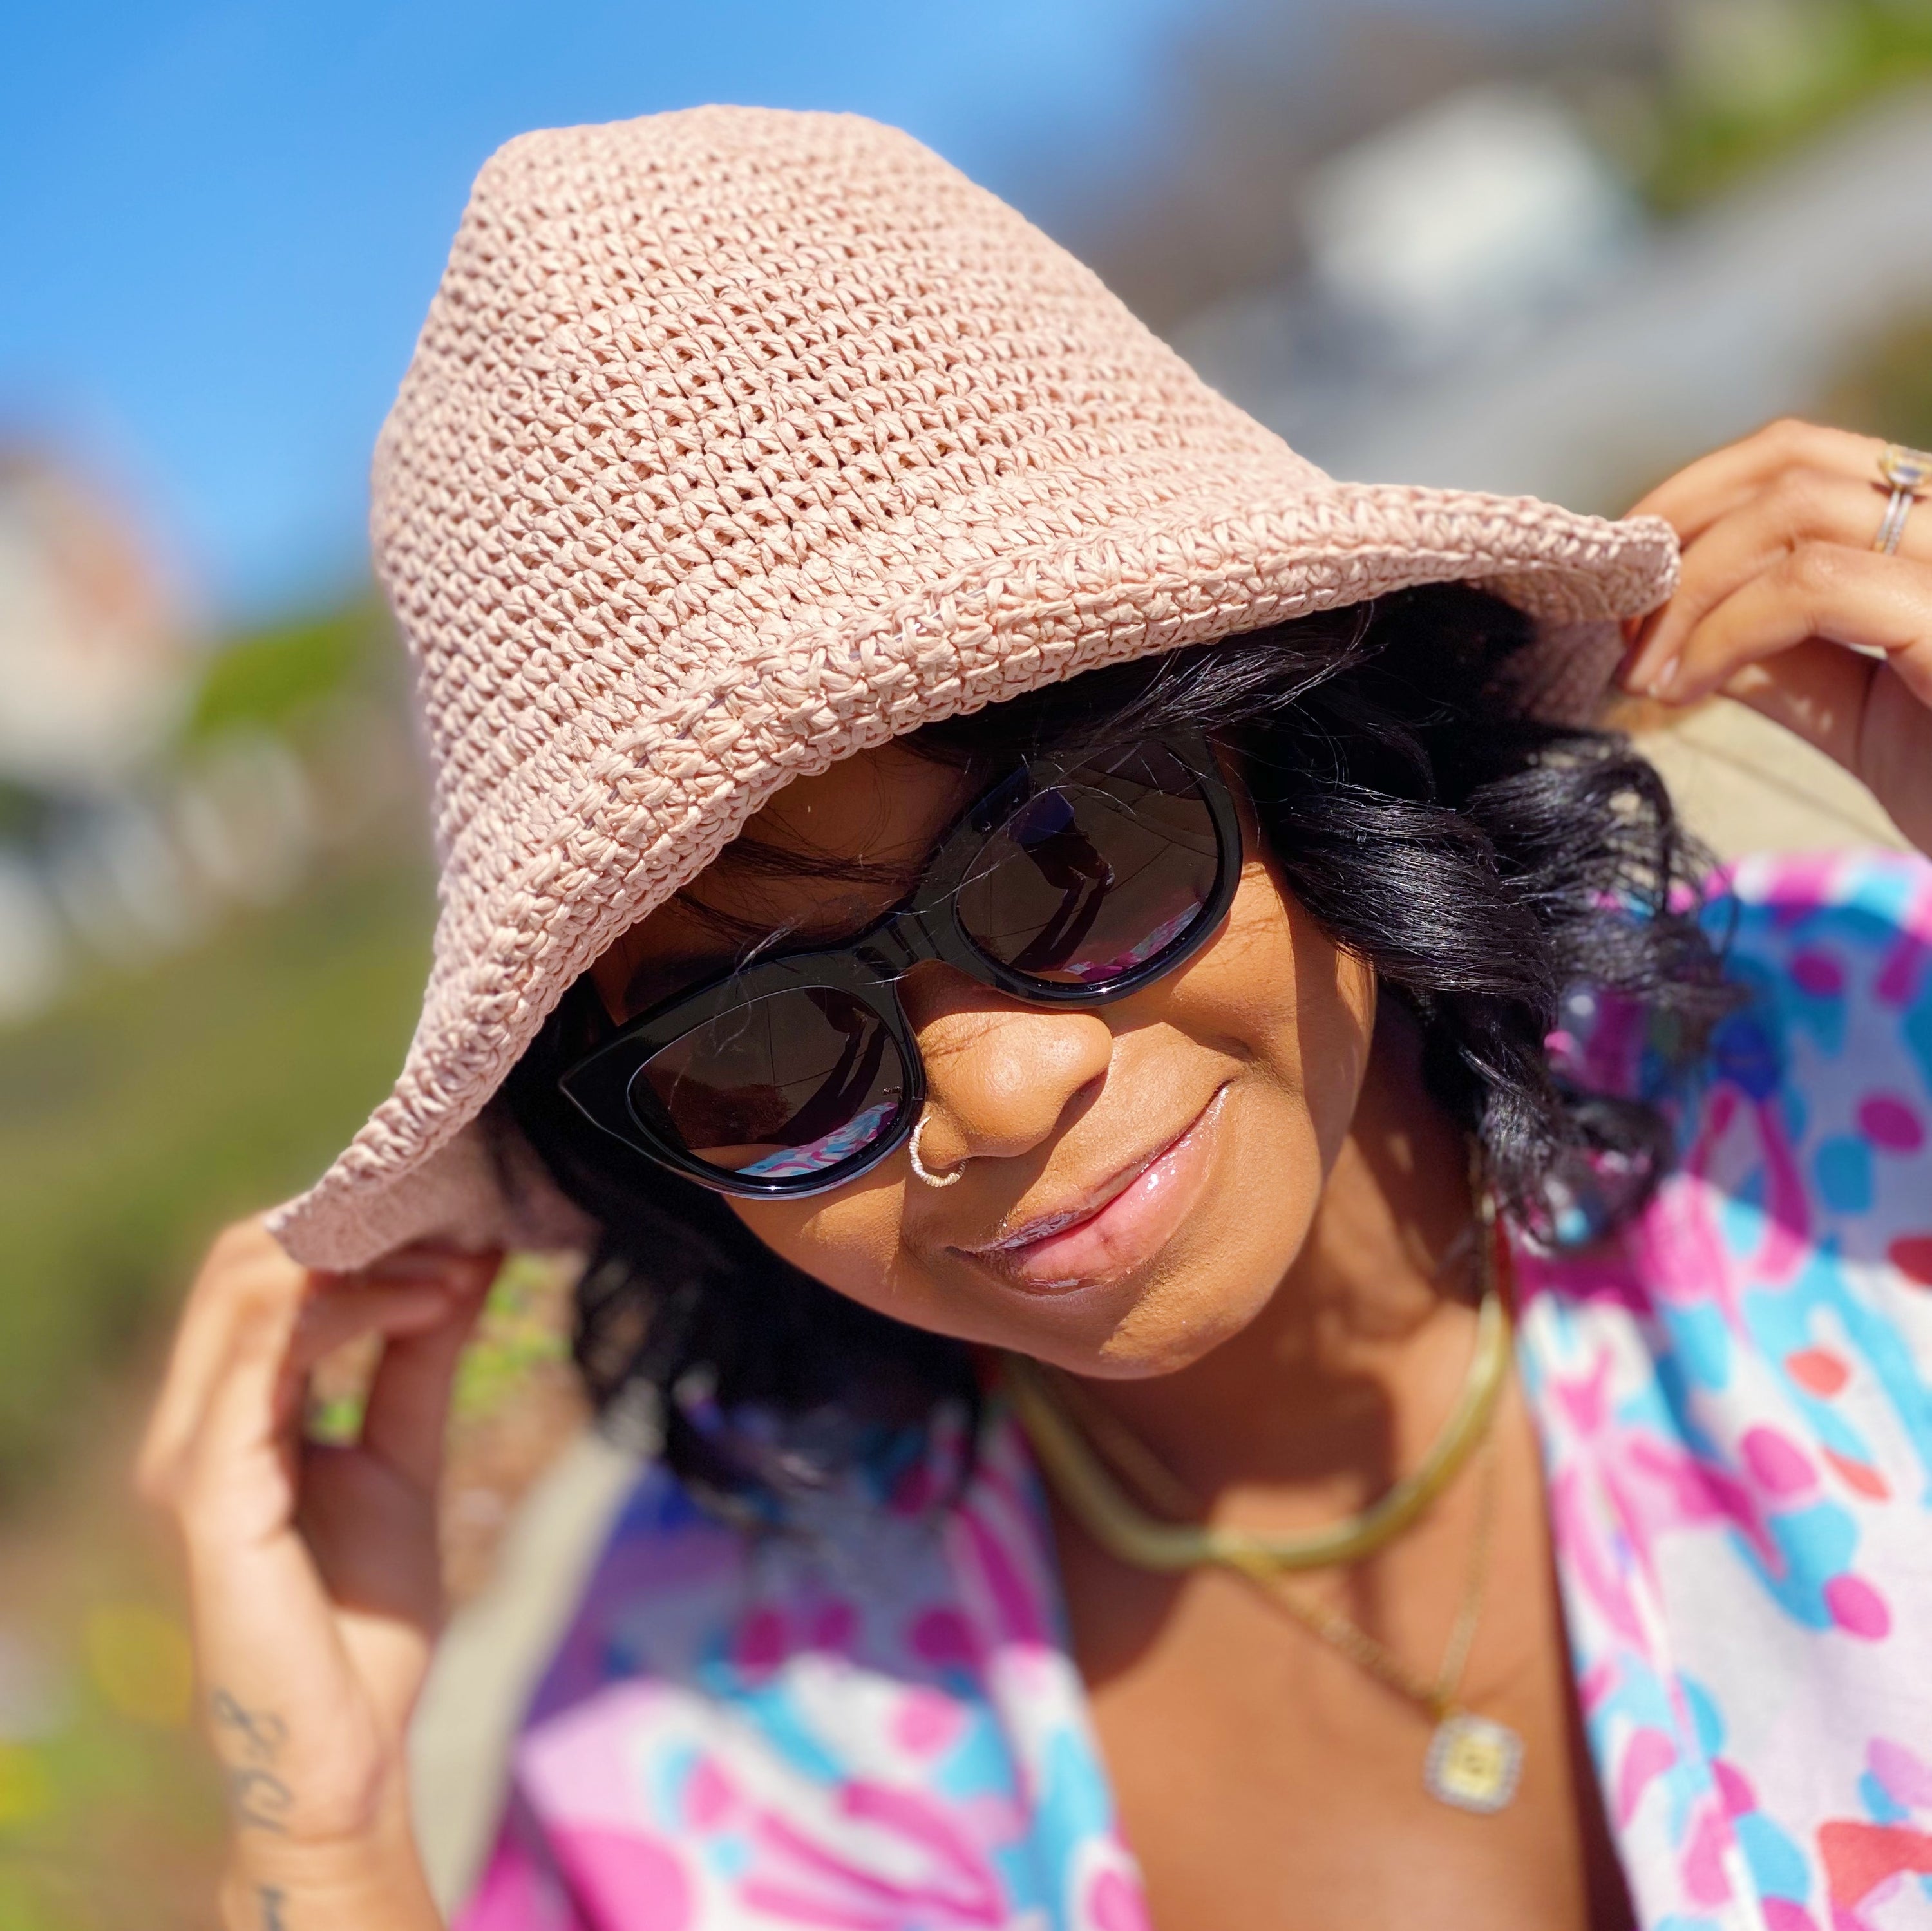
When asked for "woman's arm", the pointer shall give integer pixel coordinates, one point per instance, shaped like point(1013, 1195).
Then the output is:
point(1780, 574)
point(313, 1570)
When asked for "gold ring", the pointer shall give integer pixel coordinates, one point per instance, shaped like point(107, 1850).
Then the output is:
point(1905, 473)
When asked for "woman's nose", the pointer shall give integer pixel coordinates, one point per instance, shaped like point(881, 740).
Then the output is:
point(1001, 1077)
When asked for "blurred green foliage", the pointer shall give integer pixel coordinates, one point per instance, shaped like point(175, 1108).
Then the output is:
point(23, 812)
point(270, 678)
point(1817, 60)
point(114, 1817)
point(519, 1333)
point(148, 1109)
point(150, 1106)
point(110, 1811)
point(1887, 391)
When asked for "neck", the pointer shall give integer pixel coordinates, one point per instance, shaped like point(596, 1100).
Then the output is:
point(1341, 1381)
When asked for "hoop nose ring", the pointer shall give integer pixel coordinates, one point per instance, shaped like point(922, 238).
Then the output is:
point(920, 1169)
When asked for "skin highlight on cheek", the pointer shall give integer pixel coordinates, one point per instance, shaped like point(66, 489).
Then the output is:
point(1207, 1286)
point(1302, 1014)
point(851, 1240)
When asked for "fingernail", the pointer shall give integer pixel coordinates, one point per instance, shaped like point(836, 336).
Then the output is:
point(1631, 673)
point(1659, 686)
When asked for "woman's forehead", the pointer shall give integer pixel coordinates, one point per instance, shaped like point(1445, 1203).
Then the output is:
point(885, 806)
point(858, 832)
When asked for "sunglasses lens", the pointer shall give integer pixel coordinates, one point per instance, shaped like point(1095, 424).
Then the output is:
point(782, 1087)
point(1097, 875)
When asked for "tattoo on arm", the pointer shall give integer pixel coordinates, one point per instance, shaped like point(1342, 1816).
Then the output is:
point(272, 1899)
point(248, 1742)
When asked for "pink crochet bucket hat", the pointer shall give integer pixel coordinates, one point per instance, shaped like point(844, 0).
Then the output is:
point(737, 441)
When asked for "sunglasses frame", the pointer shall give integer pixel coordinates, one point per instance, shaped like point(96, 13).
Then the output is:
point(923, 927)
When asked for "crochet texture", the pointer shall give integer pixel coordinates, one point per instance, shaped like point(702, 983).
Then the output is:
point(736, 441)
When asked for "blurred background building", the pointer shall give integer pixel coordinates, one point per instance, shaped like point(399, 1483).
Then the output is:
point(1553, 246)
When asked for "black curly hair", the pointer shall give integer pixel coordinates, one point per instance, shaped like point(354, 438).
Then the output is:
point(1484, 864)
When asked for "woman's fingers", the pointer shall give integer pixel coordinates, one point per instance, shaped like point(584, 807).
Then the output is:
point(1798, 508)
point(407, 1411)
point(255, 1324)
point(1785, 604)
point(242, 1308)
point(1724, 481)
point(313, 1572)
point(1847, 596)
point(337, 1311)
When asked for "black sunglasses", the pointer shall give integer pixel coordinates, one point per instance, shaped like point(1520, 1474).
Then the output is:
point(1075, 881)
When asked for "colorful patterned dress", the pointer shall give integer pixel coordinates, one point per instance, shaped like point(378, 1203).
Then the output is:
point(870, 1721)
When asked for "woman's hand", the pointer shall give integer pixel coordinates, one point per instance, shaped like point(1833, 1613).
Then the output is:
point(313, 1570)
point(1786, 605)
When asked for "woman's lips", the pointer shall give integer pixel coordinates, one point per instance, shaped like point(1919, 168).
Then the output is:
point(1120, 1227)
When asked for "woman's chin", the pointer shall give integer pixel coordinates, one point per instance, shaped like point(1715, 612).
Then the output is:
point(1174, 1327)
point(1206, 1287)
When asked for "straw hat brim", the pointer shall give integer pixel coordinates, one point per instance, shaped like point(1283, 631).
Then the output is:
point(601, 840)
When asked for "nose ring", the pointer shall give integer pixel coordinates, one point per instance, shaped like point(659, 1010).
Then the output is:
point(919, 1167)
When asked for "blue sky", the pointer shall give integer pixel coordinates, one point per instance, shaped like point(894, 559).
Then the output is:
point(222, 219)
point(222, 222)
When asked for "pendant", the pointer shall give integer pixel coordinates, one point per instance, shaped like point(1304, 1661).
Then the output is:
point(1473, 1764)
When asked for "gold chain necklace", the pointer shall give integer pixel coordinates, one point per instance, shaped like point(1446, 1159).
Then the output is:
point(1136, 1537)
point(1474, 1763)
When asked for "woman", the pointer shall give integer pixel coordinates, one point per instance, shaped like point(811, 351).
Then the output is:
point(1037, 936)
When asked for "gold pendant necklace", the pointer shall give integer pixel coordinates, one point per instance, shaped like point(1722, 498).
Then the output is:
point(1473, 1763)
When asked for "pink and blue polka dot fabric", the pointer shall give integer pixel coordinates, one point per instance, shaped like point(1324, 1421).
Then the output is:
point(868, 1720)
point(1736, 1405)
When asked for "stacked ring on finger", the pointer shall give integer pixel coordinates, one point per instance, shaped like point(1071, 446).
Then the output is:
point(1905, 473)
